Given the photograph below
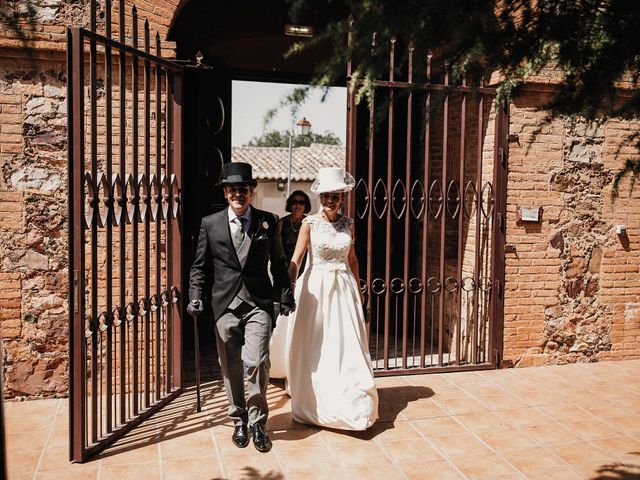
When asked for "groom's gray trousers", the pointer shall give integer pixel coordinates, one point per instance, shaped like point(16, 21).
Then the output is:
point(242, 335)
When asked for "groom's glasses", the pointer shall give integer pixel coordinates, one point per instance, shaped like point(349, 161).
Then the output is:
point(243, 189)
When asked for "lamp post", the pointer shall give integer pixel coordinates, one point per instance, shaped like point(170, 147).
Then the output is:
point(303, 126)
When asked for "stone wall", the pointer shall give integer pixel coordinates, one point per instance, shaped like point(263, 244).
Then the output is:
point(33, 194)
point(571, 283)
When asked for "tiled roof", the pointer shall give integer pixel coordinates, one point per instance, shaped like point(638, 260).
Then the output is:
point(272, 163)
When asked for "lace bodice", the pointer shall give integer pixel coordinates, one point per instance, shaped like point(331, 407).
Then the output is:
point(330, 241)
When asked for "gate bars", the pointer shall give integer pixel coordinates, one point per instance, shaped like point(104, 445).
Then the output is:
point(124, 208)
point(430, 161)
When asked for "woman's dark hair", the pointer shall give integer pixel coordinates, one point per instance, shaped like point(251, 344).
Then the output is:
point(307, 201)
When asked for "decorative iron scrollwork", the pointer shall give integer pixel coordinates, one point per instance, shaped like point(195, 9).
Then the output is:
point(485, 284)
point(91, 199)
point(362, 198)
point(117, 316)
point(154, 198)
point(130, 312)
point(175, 294)
point(453, 199)
point(433, 285)
point(378, 286)
point(451, 285)
point(380, 196)
point(470, 197)
point(175, 196)
point(131, 196)
point(396, 286)
point(119, 204)
point(487, 200)
point(415, 286)
point(435, 198)
point(165, 187)
point(143, 196)
point(418, 199)
point(143, 307)
point(468, 284)
point(399, 196)
point(104, 200)
point(103, 321)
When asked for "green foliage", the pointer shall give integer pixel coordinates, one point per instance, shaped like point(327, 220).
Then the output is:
point(593, 43)
point(276, 138)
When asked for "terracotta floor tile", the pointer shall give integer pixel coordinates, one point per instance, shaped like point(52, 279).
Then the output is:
point(383, 382)
point(249, 463)
point(390, 431)
point(592, 429)
point(37, 422)
point(456, 445)
point(23, 463)
point(69, 474)
point(439, 427)
point(47, 406)
point(431, 470)
point(483, 421)
point(205, 468)
point(533, 459)
point(449, 392)
point(373, 473)
point(344, 437)
point(327, 473)
point(564, 412)
point(300, 437)
point(365, 455)
point(401, 451)
point(537, 398)
point(424, 409)
point(612, 471)
point(482, 389)
point(502, 401)
point(506, 439)
point(196, 444)
point(146, 471)
point(550, 433)
point(461, 406)
point(629, 424)
point(57, 458)
point(390, 413)
point(403, 395)
point(581, 453)
point(484, 466)
point(304, 459)
point(431, 381)
point(619, 446)
point(132, 455)
point(524, 417)
point(26, 441)
point(555, 474)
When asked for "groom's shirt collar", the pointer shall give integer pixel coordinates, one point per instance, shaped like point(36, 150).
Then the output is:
point(247, 216)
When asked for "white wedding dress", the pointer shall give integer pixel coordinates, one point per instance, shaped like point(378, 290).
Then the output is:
point(323, 345)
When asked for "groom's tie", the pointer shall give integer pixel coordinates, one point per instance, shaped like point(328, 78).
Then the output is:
point(237, 234)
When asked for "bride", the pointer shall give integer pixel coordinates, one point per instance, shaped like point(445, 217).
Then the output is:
point(328, 368)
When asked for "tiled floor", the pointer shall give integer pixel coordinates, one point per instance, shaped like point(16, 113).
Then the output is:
point(557, 422)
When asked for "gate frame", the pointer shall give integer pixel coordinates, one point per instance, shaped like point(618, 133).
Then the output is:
point(76, 37)
point(500, 177)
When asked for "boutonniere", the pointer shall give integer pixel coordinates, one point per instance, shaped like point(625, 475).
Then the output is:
point(265, 225)
point(261, 234)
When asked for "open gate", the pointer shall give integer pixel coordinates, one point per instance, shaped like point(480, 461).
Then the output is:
point(430, 163)
point(125, 231)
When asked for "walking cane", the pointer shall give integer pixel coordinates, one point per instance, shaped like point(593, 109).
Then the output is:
point(196, 346)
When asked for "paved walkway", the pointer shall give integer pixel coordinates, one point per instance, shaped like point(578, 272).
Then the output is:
point(557, 422)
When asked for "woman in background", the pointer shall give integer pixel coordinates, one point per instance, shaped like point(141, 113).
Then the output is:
point(298, 204)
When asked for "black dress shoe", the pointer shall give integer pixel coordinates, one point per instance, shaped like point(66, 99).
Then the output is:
point(260, 438)
point(240, 437)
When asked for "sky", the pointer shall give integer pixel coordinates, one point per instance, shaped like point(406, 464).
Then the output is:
point(251, 100)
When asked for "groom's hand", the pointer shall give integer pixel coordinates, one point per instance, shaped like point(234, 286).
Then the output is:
point(286, 309)
point(195, 308)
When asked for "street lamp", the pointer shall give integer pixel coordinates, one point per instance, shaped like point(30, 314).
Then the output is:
point(303, 127)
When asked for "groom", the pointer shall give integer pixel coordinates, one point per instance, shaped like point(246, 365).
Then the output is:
point(234, 249)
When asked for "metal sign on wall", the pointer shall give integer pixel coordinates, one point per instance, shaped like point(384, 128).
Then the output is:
point(125, 272)
point(430, 159)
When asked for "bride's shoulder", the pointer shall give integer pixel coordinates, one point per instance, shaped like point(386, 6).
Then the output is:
point(348, 221)
point(311, 219)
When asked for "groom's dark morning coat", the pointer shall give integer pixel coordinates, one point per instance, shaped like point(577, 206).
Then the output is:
point(216, 255)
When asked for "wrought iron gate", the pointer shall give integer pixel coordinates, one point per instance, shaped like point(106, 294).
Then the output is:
point(125, 272)
point(430, 160)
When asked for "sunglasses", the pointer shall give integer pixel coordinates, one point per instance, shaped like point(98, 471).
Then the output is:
point(244, 189)
point(298, 202)
point(334, 197)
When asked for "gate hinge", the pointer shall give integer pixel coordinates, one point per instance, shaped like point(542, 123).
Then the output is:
point(496, 357)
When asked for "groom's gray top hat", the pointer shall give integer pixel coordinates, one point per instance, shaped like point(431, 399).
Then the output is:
point(237, 172)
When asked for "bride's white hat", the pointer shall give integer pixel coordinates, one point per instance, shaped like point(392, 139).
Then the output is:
point(333, 179)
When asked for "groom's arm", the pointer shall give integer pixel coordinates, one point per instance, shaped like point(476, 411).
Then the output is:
point(201, 266)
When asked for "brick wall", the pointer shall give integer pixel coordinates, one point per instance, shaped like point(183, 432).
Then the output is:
point(572, 285)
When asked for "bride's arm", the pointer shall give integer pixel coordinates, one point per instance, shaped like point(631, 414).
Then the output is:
point(353, 265)
point(298, 253)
